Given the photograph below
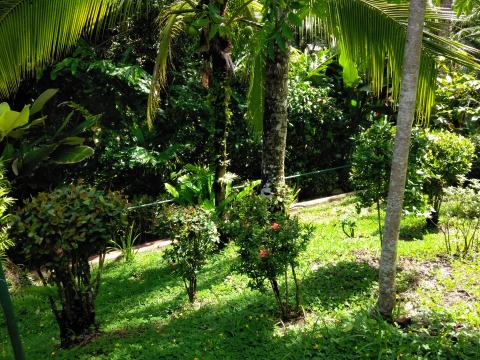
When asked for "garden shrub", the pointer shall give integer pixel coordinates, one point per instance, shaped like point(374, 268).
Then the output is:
point(449, 157)
point(457, 101)
point(55, 234)
point(194, 236)
point(269, 245)
point(371, 164)
point(462, 219)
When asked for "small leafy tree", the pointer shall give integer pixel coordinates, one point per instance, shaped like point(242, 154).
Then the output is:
point(449, 158)
point(462, 219)
point(269, 245)
point(55, 234)
point(194, 237)
point(371, 163)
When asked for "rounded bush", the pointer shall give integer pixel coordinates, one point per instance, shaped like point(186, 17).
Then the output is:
point(55, 234)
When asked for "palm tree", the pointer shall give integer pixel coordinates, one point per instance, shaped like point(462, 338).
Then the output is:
point(370, 37)
point(368, 34)
point(275, 117)
point(216, 21)
point(406, 115)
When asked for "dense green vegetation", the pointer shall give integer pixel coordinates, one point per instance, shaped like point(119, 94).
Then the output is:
point(145, 314)
point(203, 121)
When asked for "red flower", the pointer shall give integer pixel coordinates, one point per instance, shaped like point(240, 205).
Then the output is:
point(263, 253)
point(275, 226)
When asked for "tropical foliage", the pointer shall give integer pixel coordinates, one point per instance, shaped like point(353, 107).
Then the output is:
point(162, 102)
point(55, 235)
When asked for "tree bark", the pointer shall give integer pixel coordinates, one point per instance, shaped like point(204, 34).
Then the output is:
point(217, 78)
point(275, 120)
point(446, 26)
point(406, 113)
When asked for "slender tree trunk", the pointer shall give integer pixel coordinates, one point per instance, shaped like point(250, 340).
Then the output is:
point(217, 78)
point(446, 26)
point(406, 113)
point(275, 120)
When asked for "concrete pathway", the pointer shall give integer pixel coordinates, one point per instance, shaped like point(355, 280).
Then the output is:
point(149, 246)
point(159, 244)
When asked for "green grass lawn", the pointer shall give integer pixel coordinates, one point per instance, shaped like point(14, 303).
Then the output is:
point(144, 313)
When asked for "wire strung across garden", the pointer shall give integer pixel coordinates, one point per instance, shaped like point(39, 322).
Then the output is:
point(295, 176)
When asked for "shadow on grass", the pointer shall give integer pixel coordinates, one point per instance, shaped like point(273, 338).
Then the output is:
point(243, 328)
point(332, 285)
point(153, 292)
point(243, 325)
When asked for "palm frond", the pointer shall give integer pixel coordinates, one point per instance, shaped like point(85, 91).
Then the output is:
point(172, 22)
point(372, 33)
point(174, 19)
point(36, 32)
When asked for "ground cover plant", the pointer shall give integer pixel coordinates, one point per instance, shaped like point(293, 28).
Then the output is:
point(438, 312)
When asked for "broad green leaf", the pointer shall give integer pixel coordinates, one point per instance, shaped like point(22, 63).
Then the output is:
point(10, 120)
point(8, 152)
point(33, 158)
point(350, 72)
point(73, 140)
point(171, 190)
point(42, 100)
point(71, 154)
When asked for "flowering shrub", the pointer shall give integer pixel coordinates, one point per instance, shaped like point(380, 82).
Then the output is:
point(269, 245)
point(194, 236)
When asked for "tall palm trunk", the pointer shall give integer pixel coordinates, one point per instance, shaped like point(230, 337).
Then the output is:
point(406, 113)
point(218, 70)
point(275, 119)
point(446, 26)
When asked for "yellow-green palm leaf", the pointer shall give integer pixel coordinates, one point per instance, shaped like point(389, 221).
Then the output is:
point(33, 33)
point(372, 33)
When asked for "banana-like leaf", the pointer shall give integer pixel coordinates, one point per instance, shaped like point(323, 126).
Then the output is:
point(32, 159)
point(73, 140)
point(171, 190)
point(372, 33)
point(71, 154)
point(11, 120)
point(33, 33)
point(44, 97)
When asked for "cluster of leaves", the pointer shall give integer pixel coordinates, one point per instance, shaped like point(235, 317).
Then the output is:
point(458, 101)
point(449, 157)
point(279, 19)
point(58, 232)
point(371, 164)
point(194, 236)
point(125, 242)
point(63, 146)
point(437, 159)
point(194, 186)
point(269, 244)
point(462, 219)
point(5, 202)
